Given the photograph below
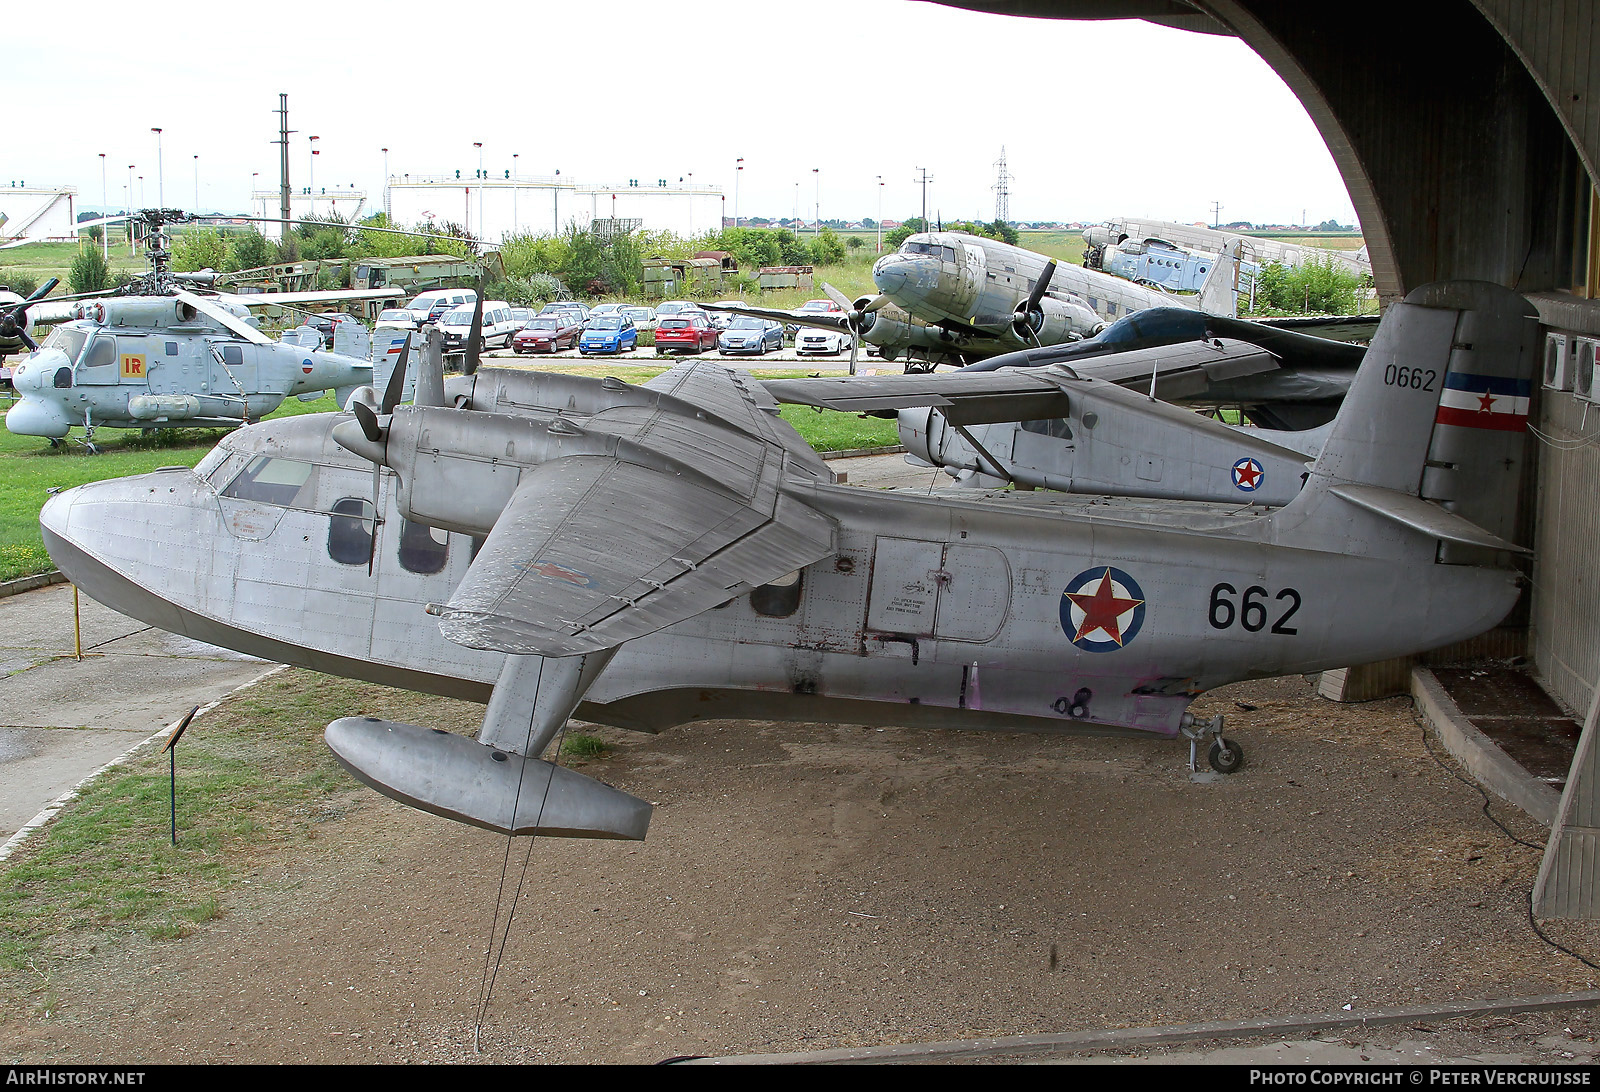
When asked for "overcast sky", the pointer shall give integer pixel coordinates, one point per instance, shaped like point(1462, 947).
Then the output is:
point(1097, 119)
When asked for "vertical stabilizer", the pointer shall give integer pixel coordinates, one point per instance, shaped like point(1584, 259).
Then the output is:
point(1219, 293)
point(1437, 408)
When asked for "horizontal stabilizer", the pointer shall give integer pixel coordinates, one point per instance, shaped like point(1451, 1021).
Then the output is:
point(968, 399)
point(453, 776)
point(1421, 515)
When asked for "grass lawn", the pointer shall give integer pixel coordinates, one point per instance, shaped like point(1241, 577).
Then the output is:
point(29, 467)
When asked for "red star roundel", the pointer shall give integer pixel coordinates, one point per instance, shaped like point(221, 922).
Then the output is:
point(1247, 475)
point(1102, 609)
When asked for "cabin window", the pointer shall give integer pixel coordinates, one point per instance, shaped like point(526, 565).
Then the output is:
point(231, 355)
point(102, 353)
point(172, 348)
point(1057, 428)
point(271, 481)
point(1111, 308)
point(948, 253)
point(350, 529)
point(420, 552)
point(778, 599)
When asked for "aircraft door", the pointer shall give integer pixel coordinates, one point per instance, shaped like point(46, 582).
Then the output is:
point(929, 589)
point(98, 366)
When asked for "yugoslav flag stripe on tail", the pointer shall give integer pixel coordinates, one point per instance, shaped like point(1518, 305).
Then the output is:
point(1484, 401)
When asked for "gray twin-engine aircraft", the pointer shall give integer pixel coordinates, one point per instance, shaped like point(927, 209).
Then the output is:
point(643, 556)
point(946, 297)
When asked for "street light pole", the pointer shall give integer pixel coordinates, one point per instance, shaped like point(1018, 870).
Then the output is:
point(817, 228)
point(197, 183)
point(514, 193)
point(311, 176)
point(105, 233)
point(388, 213)
point(737, 171)
point(879, 248)
point(253, 176)
point(478, 144)
point(161, 198)
point(132, 246)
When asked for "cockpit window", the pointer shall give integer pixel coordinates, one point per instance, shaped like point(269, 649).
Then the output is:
point(272, 481)
point(69, 339)
point(919, 248)
point(214, 458)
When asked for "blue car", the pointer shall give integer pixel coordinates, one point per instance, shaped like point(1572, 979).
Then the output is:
point(609, 334)
point(746, 334)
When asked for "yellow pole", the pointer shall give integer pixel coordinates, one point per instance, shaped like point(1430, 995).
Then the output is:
point(77, 627)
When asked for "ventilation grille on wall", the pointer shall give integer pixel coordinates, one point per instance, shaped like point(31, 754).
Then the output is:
point(1557, 362)
point(1584, 357)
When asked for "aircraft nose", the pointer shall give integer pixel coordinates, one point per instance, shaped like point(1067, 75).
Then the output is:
point(32, 417)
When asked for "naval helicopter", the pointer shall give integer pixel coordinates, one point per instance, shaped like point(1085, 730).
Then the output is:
point(159, 354)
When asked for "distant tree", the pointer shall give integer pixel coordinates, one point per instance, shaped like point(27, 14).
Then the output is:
point(855, 242)
point(1316, 286)
point(323, 243)
point(914, 226)
point(89, 272)
point(792, 250)
point(24, 284)
point(1003, 231)
point(249, 250)
point(199, 248)
point(826, 249)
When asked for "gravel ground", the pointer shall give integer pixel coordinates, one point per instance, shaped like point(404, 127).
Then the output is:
point(807, 886)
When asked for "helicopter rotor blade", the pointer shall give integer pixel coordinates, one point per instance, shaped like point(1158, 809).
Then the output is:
point(397, 380)
point(475, 338)
point(229, 321)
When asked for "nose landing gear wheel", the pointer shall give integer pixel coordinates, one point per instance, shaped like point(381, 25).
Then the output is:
point(1225, 756)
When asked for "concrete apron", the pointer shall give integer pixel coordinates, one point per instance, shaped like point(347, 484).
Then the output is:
point(63, 719)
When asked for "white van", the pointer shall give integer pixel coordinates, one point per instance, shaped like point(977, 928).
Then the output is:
point(430, 305)
point(499, 326)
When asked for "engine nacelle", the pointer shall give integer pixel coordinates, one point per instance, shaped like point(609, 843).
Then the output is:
point(1054, 322)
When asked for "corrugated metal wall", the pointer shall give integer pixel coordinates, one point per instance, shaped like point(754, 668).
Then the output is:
point(1565, 630)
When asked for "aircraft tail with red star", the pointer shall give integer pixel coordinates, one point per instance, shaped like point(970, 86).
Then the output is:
point(1432, 435)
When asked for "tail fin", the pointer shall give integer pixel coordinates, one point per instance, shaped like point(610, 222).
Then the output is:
point(1219, 293)
point(1431, 435)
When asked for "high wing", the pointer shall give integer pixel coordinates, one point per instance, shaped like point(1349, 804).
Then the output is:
point(635, 507)
point(593, 551)
point(1198, 370)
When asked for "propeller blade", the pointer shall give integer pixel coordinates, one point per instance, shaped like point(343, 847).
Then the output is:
point(878, 303)
point(377, 481)
point(475, 339)
point(369, 422)
point(855, 346)
point(397, 379)
point(430, 370)
point(33, 346)
point(1041, 285)
point(838, 297)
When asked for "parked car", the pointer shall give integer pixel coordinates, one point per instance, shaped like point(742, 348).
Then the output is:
point(825, 307)
point(721, 319)
point(643, 317)
point(685, 332)
point(547, 334)
point(746, 334)
point(673, 307)
point(567, 305)
point(521, 316)
point(396, 318)
point(428, 306)
point(608, 334)
point(811, 341)
point(605, 309)
point(498, 327)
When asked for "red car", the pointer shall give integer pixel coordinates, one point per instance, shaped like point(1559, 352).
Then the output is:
point(686, 333)
point(547, 334)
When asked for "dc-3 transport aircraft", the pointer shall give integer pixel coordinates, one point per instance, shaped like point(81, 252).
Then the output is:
point(656, 554)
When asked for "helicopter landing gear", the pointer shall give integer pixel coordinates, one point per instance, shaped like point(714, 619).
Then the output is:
point(1225, 756)
point(56, 443)
point(89, 426)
